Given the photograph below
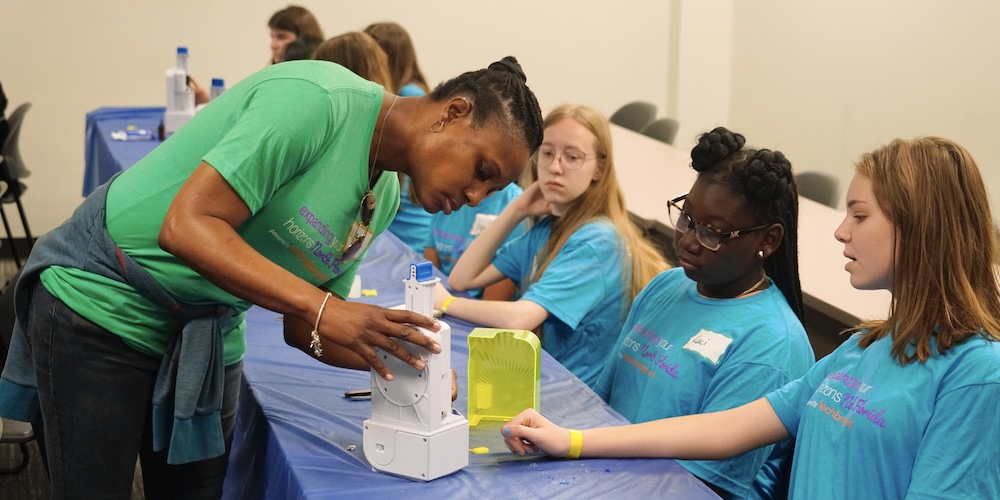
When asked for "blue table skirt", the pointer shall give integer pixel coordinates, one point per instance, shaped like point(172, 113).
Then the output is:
point(104, 156)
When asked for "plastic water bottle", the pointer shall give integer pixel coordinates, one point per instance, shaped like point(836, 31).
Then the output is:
point(217, 88)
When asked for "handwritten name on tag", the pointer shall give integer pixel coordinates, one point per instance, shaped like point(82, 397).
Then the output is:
point(709, 344)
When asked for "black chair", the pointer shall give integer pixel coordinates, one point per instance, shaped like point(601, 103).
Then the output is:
point(663, 129)
point(819, 187)
point(14, 431)
point(634, 115)
point(12, 170)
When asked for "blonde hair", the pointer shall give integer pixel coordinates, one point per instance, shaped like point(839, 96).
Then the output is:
point(641, 260)
point(944, 283)
point(358, 52)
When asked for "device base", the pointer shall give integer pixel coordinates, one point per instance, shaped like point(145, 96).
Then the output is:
point(423, 456)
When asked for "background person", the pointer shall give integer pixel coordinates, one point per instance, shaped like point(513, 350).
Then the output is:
point(358, 52)
point(288, 24)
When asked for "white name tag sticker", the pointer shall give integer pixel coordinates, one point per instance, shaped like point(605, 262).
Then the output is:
point(482, 220)
point(709, 344)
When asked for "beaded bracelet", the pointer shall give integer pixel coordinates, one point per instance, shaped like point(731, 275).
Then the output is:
point(315, 344)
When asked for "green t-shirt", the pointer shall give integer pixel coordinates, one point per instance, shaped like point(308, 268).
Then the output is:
point(292, 140)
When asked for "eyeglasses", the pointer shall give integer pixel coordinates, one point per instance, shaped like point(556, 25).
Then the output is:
point(572, 158)
point(360, 235)
point(708, 235)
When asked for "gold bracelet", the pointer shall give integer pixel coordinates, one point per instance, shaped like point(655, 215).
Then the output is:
point(314, 344)
point(447, 302)
point(575, 444)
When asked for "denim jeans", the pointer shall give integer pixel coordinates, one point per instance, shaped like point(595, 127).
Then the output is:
point(95, 394)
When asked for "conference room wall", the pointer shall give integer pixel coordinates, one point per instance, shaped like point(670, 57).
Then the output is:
point(70, 57)
point(827, 81)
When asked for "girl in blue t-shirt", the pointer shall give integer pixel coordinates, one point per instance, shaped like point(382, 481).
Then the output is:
point(724, 328)
point(580, 265)
point(907, 407)
point(450, 234)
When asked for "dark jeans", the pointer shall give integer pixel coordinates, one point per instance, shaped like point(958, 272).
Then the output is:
point(96, 393)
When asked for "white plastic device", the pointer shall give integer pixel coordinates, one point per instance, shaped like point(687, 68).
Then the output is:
point(413, 431)
point(180, 97)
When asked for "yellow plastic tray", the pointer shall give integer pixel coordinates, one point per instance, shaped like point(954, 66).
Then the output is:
point(504, 373)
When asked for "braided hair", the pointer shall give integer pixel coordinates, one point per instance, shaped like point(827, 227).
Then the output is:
point(764, 177)
point(500, 94)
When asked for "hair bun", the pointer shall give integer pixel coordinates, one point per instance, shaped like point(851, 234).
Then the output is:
point(510, 65)
point(769, 175)
point(714, 146)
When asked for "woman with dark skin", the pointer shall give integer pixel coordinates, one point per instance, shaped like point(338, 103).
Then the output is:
point(132, 311)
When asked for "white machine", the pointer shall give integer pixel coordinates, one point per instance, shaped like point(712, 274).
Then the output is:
point(413, 431)
point(180, 96)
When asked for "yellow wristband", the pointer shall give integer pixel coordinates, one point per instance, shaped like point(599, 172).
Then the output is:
point(575, 444)
point(447, 302)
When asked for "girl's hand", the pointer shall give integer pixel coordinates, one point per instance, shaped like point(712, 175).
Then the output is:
point(529, 432)
point(532, 202)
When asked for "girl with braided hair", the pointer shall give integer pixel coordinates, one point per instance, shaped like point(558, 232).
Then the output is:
point(724, 328)
point(130, 315)
point(905, 408)
point(579, 266)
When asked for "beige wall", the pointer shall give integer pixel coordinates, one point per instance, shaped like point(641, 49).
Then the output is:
point(822, 81)
point(827, 81)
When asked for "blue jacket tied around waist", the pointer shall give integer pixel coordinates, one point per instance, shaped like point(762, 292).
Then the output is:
point(187, 396)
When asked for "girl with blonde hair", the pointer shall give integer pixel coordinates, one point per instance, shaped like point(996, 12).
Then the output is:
point(579, 266)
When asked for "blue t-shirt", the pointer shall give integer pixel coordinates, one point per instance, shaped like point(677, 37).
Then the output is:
point(582, 289)
point(868, 427)
point(451, 234)
point(680, 353)
point(411, 90)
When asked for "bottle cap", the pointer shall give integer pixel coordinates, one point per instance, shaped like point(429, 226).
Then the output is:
point(182, 50)
point(218, 82)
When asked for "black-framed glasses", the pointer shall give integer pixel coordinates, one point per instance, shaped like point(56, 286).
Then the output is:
point(708, 235)
point(360, 233)
point(571, 157)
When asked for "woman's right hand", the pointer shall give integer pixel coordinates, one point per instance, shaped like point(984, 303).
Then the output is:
point(529, 432)
point(361, 328)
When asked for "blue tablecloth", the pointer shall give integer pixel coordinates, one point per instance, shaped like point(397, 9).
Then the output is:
point(105, 156)
point(298, 437)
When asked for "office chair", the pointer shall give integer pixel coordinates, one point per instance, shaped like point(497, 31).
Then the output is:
point(14, 431)
point(12, 170)
point(634, 115)
point(663, 129)
point(819, 187)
